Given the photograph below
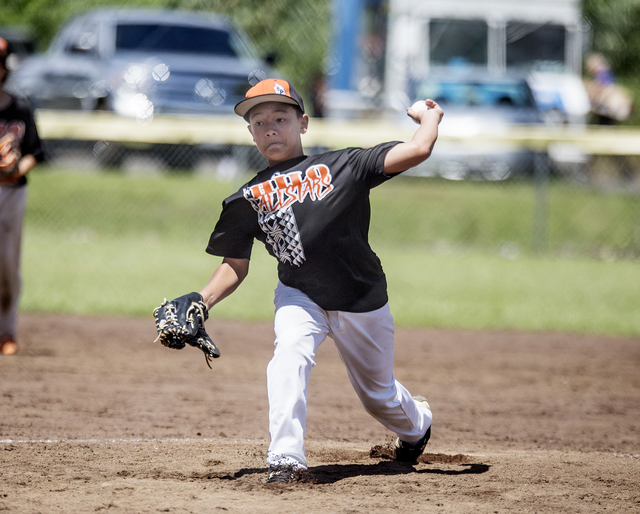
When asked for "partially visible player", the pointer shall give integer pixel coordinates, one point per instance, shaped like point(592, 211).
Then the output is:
point(20, 150)
point(313, 214)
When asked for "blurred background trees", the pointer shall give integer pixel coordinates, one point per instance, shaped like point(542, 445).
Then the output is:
point(615, 26)
point(615, 33)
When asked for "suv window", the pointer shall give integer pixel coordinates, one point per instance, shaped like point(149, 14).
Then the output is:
point(85, 39)
point(179, 39)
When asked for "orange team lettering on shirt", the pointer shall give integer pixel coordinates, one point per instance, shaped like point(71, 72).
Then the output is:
point(281, 191)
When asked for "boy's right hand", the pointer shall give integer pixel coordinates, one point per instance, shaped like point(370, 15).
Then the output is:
point(418, 109)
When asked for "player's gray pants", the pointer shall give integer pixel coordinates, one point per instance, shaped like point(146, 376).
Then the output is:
point(12, 205)
point(365, 342)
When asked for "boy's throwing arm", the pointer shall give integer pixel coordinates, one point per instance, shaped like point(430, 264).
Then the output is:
point(418, 149)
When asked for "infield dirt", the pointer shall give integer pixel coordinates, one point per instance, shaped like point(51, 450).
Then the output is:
point(95, 417)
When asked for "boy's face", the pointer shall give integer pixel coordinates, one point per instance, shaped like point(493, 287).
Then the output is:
point(276, 129)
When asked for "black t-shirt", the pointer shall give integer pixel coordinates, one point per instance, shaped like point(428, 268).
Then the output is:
point(17, 118)
point(312, 214)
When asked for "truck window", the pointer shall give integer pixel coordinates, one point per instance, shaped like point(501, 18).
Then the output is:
point(458, 40)
point(178, 39)
point(534, 44)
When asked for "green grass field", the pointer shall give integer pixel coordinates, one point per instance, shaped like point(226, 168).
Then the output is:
point(456, 254)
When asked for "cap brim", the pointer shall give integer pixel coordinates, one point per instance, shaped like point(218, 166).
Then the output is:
point(243, 107)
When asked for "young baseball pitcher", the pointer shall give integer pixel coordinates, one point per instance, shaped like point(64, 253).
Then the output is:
point(20, 150)
point(312, 214)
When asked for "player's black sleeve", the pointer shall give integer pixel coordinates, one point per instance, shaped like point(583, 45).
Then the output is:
point(235, 230)
point(368, 163)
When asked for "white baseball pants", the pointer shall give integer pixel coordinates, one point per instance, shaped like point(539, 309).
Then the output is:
point(12, 206)
point(365, 342)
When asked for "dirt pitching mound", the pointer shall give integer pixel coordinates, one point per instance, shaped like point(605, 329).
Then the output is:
point(95, 417)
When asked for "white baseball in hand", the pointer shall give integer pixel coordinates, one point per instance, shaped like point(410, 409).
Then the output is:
point(419, 106)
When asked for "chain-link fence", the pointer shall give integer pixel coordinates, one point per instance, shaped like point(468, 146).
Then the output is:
point(562, 204)
point(118, 235)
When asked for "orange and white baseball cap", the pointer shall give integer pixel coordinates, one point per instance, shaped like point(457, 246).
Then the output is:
point(269, 90)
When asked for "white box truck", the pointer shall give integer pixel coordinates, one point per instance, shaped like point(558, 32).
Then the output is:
point(543, 39)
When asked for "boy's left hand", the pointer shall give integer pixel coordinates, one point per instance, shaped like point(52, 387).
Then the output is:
point(181, 322)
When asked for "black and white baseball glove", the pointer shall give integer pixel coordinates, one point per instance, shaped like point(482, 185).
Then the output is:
point(180, 322)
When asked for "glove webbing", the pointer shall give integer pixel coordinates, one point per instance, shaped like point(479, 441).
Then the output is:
point(171, 319)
